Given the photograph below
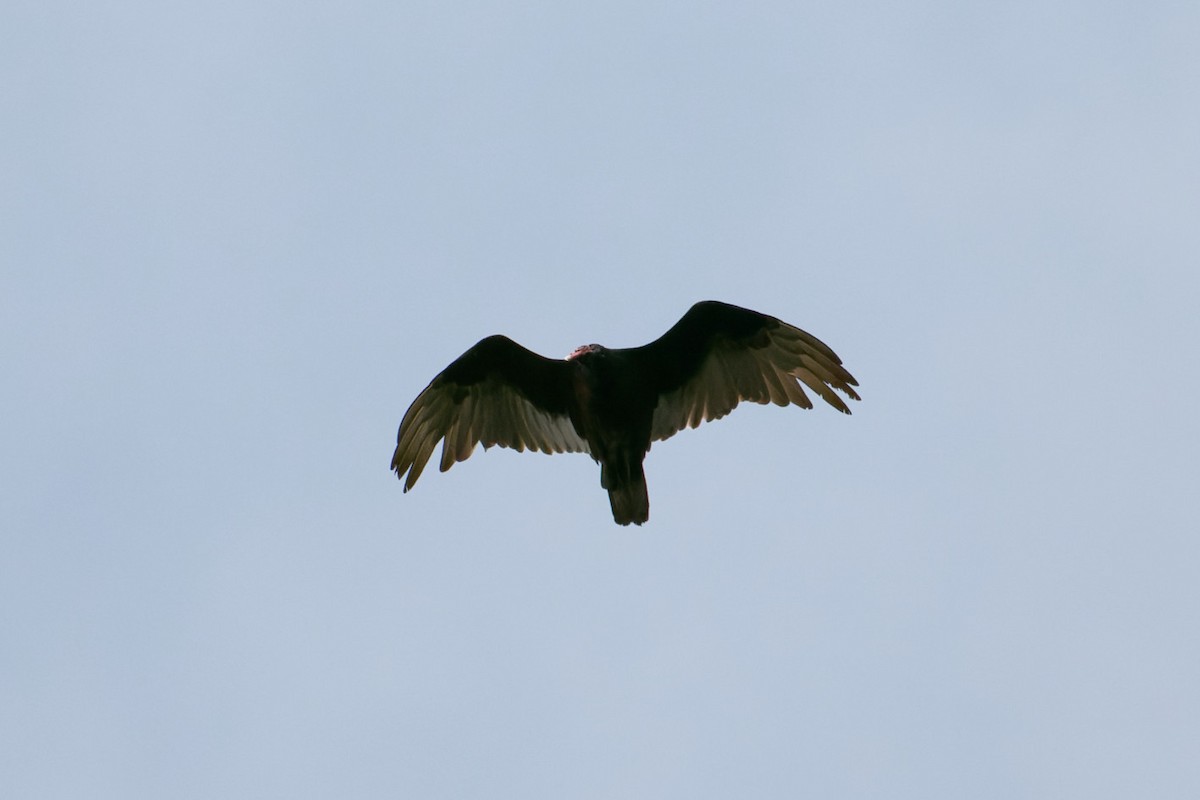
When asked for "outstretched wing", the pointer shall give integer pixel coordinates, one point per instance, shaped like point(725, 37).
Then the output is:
point(718, 355)
point(497, 392)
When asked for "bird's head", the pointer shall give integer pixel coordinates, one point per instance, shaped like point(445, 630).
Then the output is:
point(585, 350)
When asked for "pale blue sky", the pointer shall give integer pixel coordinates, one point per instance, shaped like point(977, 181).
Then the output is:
point(239, 238)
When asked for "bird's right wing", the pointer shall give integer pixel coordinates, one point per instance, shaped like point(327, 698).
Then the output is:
point(719, 355)
point(496, 393)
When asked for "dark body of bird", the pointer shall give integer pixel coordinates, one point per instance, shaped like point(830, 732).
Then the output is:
point(613, 403)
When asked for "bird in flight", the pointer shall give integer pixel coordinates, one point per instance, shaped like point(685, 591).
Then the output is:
point(613, 403)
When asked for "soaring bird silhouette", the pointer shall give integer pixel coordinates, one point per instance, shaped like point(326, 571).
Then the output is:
point(612, 403)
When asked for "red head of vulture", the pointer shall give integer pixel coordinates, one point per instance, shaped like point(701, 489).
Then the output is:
point(612, 403)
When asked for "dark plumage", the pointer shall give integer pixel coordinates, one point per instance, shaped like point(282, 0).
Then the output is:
point(613, 403)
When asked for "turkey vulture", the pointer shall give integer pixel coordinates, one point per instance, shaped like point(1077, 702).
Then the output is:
point(611, 404)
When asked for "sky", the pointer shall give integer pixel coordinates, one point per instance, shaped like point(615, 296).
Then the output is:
point(237, 240)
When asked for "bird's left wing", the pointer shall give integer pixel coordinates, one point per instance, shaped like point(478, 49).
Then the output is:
point(719, 355)
point(497, 392)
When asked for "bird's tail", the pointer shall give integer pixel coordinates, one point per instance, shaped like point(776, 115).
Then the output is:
point(627, 493)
